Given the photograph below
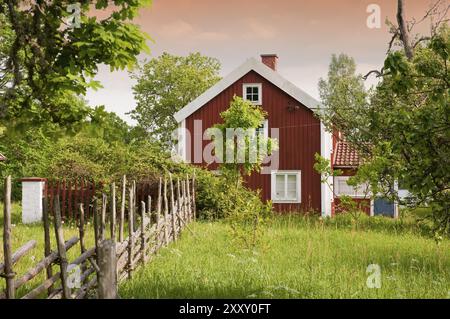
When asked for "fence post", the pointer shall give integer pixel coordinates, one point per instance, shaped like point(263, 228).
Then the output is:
point(143, 231)
point(107, 278)
point(113, 211)
point(188, 194)
point(193, 197)
point(149, 209)
point(61, 249)
point(134, 205)
point(158, 214)
point(103, 217)
point(81, 234)
point(180, 216)
point(131, 232)
point(166, 213)
point(96, 223)
point(9, 273)
point(173, 209)
point(183, 191)
point(47, 248)
point(122, 208)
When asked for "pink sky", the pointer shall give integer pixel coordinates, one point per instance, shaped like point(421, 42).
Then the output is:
point(303, 33)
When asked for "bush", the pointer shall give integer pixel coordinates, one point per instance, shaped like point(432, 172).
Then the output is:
point(219, 197)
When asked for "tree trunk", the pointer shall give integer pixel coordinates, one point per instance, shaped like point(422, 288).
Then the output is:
point(403, 28)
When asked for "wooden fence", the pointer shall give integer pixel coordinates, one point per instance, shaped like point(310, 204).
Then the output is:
point(74, 192)
point(71, 193)
point(114, 256)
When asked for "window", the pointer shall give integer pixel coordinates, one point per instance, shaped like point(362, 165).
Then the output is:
point(253, 93)
point(342, 188)
point(263, 129)
point(286, 187)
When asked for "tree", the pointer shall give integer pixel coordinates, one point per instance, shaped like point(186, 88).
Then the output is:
point(241, 150)
point(237, 144)
point(346, 100)
point(165, 85)
point(50, 58)
point(401, 129)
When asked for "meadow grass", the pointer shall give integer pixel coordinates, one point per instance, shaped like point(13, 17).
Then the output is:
point(23, 233)
point(297, 258)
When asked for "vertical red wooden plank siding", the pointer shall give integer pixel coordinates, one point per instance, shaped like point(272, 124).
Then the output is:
point(63, 199)
point(82, 198)
point(76, 200)
point(299, 138)
point(69, 199)
point(50, 194)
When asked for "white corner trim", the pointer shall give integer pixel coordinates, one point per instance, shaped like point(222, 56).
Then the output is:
point(183, 143)
point(326, 196)
point(260, 68)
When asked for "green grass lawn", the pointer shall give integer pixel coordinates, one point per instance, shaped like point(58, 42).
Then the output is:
point(299, 258)
point(23, 233)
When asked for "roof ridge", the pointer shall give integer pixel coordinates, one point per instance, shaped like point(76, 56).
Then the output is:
point(251, 64)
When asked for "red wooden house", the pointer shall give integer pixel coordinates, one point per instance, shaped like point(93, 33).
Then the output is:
point(289, 180)
point(347, 160)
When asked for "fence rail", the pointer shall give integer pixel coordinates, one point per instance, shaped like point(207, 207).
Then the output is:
point(150, 224)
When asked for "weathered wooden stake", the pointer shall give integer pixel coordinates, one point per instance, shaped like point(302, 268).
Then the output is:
point(131, 232)
point(107, 279)
point(7, 250)
point(61, 250)
point(81, 234)
point(103, 217)
point(143, 257)
point(173, 209)
point(158, 213)
point(179, 201)
point(96, 223)
point(135, 226)
point(166, 214)
point(183, 190)
point(113, 212)
point(47, 243)
point(188, 194)
point(159, 202)
point(194, 207)
point(149, 209)
point(122, 208)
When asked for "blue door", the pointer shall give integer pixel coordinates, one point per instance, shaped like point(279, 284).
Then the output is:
point(383, 207)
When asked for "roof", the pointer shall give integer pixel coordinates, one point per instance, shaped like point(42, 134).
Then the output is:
point(346, 156)
point(251, 64)
point(2, 157)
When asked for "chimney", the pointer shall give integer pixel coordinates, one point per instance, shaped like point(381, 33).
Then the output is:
point(270, 60)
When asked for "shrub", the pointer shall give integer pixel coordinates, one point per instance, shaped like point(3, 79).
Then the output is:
point(219, 197)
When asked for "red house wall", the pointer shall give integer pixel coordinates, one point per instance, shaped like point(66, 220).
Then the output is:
point(299, 138)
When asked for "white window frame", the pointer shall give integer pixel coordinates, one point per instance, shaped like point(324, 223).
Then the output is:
point(298, 198)
point(244, 92)
point(355, 193)
point(265, 127)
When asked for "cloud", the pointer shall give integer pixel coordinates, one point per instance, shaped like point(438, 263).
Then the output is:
point(185, 30)
point(212, 36)
point(176, 29)
point(259, 30)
